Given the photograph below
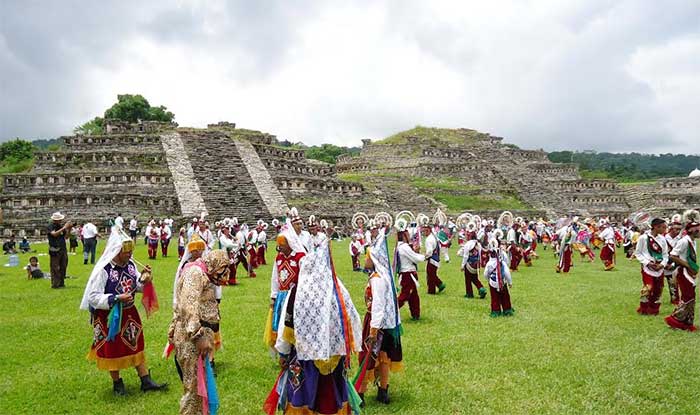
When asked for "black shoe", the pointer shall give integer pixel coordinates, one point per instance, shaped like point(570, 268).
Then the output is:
point(85, 262)
point(383, 395)
point(362, 400)
point(147, 384)
point(118, 387)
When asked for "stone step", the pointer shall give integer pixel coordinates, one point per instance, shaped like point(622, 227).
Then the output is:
point(266, 188)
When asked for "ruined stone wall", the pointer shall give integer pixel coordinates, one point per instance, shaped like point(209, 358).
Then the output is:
point(91, 178)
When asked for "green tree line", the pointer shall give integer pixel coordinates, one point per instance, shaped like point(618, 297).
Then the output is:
point(128, 108)
point(626, 167)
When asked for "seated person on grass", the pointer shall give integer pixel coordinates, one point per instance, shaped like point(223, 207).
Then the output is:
point(24, 246)
point(33, 270)
point(10, 247)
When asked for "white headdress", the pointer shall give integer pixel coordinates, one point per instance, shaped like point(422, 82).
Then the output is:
point(439, 218)
point(117, 240)
point(357, 216)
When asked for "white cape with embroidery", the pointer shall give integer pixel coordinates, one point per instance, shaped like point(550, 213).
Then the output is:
point(317, 325)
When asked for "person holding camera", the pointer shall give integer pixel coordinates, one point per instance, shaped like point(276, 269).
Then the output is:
point(57, 234)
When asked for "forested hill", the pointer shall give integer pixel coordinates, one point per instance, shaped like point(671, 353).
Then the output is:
point(626, 167)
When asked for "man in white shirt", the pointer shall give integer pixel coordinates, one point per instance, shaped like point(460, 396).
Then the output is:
point(432, 255)
point(165, 235)
point(133, 224)
point(119, 221)
point(408, 275)
point(90, 235)
point(652, 254)
point(685, 255)
point(230, 244)
point(607, 253)
point(262, 243)
point(500, 280)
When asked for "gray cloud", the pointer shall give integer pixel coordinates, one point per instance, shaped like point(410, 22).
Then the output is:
point(584, 75)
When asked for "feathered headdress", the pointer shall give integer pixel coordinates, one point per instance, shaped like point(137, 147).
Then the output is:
point(356, 217)
point(383, 219)
point(312, 221)
point(401, 224)
point(463, 220)
point(423, 220)
point(691, 218)
point(293, 215)
point(676, 219)
point(407, 215)
point(439, 218)
point(505, 220)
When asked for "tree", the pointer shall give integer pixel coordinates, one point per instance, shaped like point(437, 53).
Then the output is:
point(16, 156)
point(91, 127)
point(16, 150)
point(135, 107)
point(329, 152)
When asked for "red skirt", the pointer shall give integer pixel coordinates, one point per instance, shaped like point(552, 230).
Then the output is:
point(126, 349)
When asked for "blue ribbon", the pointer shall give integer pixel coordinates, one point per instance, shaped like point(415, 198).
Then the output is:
point(212, 394)
point(115, 321)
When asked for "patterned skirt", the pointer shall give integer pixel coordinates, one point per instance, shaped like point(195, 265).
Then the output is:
point(126, 349)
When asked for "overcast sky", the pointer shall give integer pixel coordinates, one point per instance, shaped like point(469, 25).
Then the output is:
point(603, 75)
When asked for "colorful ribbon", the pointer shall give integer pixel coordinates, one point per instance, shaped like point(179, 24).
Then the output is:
point(115, 321)
point(206, 386)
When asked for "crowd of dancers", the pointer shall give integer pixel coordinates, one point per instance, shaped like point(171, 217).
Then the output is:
point(313, 328)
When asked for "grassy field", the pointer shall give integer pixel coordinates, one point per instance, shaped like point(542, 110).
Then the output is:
point(575, 345)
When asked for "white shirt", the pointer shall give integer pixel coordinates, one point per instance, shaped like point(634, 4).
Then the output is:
point(511, 236)
point(491, 275)
point(229, 243)
point(165, 230)
point(431, 244)
point(358, 247)
point(644, 256)
point(207, 237)
point(132, 225)
point(89, 230)
point(608, 235)
point(408, 258)
point(119, 221)
point(681, 250)
point(379, 288)
point(262, 237)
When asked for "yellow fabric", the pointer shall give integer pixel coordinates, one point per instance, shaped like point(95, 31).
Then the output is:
point(118, 363)
point(196, 243)
point(269, 336)
point(327, 366)
point(304, 410)
point(217, 341)
point(288, 336)
point(393, 368)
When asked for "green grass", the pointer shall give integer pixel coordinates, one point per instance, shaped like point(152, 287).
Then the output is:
point(459, 203)
point(575, 345)
point(431, 135)
point(441, 184)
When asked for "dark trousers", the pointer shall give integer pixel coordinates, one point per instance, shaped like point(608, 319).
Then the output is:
point(470, 279)
point(433, 280)
point(409, 293)
point(59, 263)
point(89, 248)
point(500, 300)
